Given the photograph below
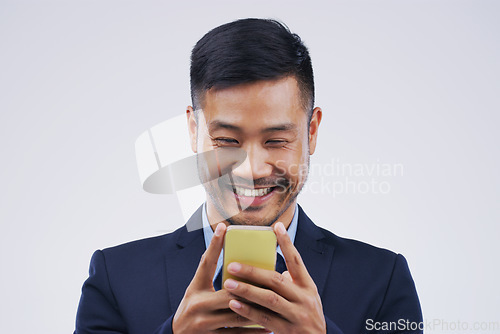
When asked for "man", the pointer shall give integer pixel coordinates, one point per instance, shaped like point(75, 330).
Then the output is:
point(252, 89)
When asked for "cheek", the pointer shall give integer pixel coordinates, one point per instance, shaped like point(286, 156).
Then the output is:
point(294, 171)
point(292, 162)
point(297, 173)
point(204, 144)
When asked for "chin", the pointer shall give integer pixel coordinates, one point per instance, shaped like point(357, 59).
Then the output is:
point(255, 222)
point(259, 216)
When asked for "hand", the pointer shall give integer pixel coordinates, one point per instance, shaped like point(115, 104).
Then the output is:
point(202, 309)
point(291, 304)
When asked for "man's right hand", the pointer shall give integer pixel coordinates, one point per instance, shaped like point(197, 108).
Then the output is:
point(204, 310)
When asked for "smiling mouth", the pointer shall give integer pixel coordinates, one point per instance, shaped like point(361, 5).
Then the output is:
point(249, 192)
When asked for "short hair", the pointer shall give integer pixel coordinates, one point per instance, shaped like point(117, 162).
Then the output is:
point(250, 50)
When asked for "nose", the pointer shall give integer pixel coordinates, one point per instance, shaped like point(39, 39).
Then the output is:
point(255, 165)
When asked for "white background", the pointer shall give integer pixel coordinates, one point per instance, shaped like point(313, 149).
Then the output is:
point(400, 82)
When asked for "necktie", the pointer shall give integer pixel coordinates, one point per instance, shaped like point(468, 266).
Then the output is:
point(218, 281)
point(280, 267)
point(280, 263)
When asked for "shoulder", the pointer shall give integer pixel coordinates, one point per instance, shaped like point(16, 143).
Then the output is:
point(143, 251)
point(371, 282)
point(360, 258)
point(356, 248)
point(158, 246)
point(359, 264)
point(345, 249)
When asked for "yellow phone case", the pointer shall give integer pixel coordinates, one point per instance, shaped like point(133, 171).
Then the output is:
point(252, 245)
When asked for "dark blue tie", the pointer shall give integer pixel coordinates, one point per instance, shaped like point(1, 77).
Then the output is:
point(280, 263)
point(280, 267)
point(218, 281)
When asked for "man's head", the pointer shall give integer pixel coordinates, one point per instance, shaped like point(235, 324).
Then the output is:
point(252, 88)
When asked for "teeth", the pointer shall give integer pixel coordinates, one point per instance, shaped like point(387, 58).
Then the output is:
point(252, 192)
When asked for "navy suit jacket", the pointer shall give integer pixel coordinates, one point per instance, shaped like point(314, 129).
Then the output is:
point(136, 287)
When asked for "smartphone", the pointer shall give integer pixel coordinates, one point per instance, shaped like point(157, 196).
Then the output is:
point(252, 245)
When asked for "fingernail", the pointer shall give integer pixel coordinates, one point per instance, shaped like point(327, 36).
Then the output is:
point(230, 284)
point(234, 267)
point(218, 229)
point(281, 228)
point(235, 304)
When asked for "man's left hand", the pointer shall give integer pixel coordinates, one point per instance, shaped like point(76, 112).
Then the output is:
point(290, 304)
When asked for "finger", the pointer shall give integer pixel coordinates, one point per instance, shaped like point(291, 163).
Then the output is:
point(218, 300)
point(287, 276)
point(208, 263)
point(267, 278)
point(293, 260)
point(224, 318)
point(214, 301)
point(265, 318)
point(263, 297)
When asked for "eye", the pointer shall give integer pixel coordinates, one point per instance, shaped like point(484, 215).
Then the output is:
point(276, 142)
point(225, 141)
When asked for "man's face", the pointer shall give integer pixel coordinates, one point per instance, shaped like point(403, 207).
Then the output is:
point(266, 119)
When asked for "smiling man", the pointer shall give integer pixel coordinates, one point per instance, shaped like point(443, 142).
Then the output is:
point(252, 89)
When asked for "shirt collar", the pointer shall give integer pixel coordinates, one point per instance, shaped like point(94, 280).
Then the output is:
point(208, 233)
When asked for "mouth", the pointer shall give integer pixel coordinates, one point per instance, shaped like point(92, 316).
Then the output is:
point(251, 198)
point(250, 192)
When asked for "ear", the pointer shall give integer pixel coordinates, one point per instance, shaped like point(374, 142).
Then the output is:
point(192, 127)
point(313, 129)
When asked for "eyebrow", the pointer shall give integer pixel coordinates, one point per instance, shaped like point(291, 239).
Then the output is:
point(216, 125)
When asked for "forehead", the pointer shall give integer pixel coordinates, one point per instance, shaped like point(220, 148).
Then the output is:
point(256, 105)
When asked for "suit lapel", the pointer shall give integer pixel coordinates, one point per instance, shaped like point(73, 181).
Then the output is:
point(182, 264)
point(316, 254)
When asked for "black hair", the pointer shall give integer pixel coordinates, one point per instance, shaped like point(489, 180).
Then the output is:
point(250, 50)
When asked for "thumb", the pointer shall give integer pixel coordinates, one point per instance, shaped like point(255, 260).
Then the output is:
point(208, 263)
